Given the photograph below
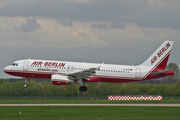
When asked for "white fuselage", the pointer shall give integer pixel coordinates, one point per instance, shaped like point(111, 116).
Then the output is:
point(153, 67)
point(105, 73)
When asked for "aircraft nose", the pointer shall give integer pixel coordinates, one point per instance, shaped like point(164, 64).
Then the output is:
point(6, 69)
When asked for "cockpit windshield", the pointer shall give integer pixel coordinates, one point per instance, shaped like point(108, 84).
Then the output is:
point(14, 64)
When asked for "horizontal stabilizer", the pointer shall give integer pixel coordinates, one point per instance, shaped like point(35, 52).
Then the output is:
point(159, 72)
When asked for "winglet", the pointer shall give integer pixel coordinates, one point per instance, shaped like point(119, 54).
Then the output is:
point(160, 57)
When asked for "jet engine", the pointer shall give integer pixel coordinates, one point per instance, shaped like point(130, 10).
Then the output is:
point(60, 80)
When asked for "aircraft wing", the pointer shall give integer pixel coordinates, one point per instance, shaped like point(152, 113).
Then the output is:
point(159, 72)
point(84, 74)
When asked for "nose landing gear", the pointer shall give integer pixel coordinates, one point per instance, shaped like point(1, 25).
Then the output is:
point(25, 85)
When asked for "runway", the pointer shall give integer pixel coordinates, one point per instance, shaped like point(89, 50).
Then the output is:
point(159, 105)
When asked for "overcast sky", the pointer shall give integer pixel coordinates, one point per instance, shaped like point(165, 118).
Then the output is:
point(110, 31)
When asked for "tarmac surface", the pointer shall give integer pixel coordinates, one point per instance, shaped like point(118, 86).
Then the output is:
point(160, 105)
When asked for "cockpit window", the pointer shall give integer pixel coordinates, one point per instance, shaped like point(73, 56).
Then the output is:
point(14, 64)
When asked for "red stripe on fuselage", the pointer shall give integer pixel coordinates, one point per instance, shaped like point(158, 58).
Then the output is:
point(95, 78)
point(29, 74)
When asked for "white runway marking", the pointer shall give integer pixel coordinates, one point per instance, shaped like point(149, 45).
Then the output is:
point(159, 105)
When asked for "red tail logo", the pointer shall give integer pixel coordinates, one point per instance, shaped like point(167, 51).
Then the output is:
point(160, 53)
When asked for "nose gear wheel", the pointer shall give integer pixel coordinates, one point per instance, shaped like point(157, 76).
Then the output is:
point(25, 85)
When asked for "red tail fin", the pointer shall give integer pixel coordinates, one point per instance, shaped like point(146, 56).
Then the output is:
point(160, 57)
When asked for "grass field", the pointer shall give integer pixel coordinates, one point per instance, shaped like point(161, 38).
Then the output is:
point(56, 101)
point(89, 113)
point(86, 112)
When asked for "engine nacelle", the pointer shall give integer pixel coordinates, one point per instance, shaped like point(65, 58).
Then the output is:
point(60, 80)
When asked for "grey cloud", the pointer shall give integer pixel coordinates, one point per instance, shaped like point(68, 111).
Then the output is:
point(164, 22)
point(140, 12)
point(167, 16)
point(105, 26)
point(117, 25)
point(82, 34)
point(100, 26)
point(66, 23)
point(97, 11)
point(29, 26)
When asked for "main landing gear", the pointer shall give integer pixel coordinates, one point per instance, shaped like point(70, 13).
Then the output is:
point(25, 85)
point(83, 88)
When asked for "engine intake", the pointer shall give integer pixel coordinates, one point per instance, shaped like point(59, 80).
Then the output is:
point(60, 80)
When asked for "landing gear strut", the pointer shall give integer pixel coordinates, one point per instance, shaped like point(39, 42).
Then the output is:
point(83, 88)
point(26, 80)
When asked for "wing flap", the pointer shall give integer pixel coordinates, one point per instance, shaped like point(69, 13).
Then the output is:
point(85, 74)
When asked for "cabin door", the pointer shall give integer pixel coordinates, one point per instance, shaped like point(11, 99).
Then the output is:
point(25, 67)
point(138, 72)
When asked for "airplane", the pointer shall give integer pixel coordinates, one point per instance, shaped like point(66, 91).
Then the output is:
point(66, 73)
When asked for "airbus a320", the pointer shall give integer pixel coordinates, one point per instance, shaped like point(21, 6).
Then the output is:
point(66, 73)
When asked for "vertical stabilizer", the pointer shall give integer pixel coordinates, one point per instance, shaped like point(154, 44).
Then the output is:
point(160, 57)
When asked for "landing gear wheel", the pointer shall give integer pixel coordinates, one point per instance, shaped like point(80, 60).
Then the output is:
point(26, 81)
point(83, 88)
point(25, 85)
